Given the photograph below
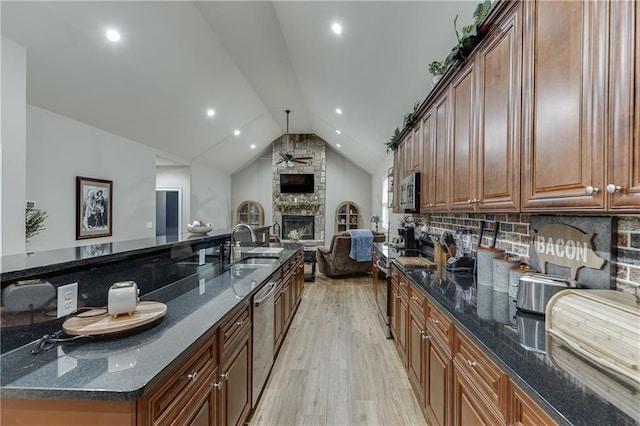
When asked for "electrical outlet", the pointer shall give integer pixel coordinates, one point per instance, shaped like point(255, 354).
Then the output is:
point(67, 299)
point(201, 285)
point(149, 225)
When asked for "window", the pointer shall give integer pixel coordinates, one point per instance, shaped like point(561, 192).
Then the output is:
point(384, 218)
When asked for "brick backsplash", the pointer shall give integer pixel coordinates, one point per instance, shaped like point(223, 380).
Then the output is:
point(513, 237)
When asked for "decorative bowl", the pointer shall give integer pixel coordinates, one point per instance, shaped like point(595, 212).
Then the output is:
point(199, 229)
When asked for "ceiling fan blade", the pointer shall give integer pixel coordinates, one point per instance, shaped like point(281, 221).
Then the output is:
point(304, 158)
point(297, 160)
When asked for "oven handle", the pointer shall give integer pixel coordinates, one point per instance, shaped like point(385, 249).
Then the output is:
point(381, 268)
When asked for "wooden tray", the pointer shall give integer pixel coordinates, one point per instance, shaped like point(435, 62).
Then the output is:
point(97, 322)
point(415, 262)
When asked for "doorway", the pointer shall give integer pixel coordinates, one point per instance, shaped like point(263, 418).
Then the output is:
point(168, 211)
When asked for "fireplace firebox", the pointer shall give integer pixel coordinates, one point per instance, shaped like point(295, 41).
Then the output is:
point(305, 225)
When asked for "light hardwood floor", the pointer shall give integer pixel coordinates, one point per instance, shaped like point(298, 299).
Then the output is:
point(335, 366)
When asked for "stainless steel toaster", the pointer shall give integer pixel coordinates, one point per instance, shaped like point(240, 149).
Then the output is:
point(535, 290)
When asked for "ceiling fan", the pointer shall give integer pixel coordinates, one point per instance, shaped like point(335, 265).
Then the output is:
point(288, 158)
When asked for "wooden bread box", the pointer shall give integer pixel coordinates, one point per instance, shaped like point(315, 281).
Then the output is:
point(603, 324)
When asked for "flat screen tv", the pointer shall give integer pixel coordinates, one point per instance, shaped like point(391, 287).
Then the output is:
point(296, 183)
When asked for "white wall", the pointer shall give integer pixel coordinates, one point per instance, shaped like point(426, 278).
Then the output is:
point(210, 196)
point(254, 183)
point(346, 182)
point(175, 177)
point(13, 88)
point(58, 150)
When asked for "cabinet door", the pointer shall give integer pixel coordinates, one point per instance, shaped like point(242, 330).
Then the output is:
point(416, 146)
point(403, 328)
point(441, 161)
point(437, 383)
point(564, 70)
point(416, 353)
point(427, 169)
point(202, 409)
point(398, 164)
point(500, 83)
point(468, 406)
point(462, 171)
point(624, 108)
point(236, 385)
point(393, 308)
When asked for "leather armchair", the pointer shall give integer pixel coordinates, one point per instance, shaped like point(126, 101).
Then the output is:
point(335, 261)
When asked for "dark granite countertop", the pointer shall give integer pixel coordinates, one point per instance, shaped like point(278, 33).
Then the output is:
point(491, 321)
point(123, 369)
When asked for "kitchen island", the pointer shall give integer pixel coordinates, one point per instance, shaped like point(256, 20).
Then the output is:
point(513, 342)
point(116, 373)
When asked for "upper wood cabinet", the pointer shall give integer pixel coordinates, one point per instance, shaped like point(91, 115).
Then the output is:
point(623, 183)
point(499, 63)
point(564, 83)
point(440, 149)
point(462, 167)
point(427, 168)
point(398, 174)
point(415, 159)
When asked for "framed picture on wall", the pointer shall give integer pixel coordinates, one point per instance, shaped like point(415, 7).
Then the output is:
point(94, 207)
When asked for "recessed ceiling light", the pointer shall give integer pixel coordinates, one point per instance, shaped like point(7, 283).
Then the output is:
point(236, 132)
point(113, 35)
point(211, 112)
point(338, 132)
point(338, 111)
point(337, 28)
point(253, 146)
point(338, 145)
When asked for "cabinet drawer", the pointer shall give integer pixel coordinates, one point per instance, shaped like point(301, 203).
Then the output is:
point(417, 300)
point(403, 286)
point(483, 373)
point(170, 397)
point(439, 326)
point(232, 329)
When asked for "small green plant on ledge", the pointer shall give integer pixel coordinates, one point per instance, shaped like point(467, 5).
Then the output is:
point(437, 68)
point(393, 139)
point(34, 222)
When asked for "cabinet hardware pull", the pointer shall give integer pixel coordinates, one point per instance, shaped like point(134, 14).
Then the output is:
point(426, 337)
point(225, 376)
point(240, 322)
point(434, 321)
point(397, 296)
point(471, 363)
point(192, 376)
point(612, 189)
point(589, 190)
point(402, 283)
point(414, 298)
point(421, 332)
point(217, 385)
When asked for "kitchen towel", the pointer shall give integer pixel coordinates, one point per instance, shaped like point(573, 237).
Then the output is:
point(361, 245)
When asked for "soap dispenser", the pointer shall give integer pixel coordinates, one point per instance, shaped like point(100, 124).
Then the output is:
point(237, 251)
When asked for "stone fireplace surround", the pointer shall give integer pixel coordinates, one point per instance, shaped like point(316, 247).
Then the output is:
point(301, 145)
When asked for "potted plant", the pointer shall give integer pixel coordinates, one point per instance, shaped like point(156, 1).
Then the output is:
point(393, 139)
point(34, 222)
point(437, 69)
point(469, 38)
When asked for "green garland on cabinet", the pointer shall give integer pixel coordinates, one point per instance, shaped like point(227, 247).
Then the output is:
point(466, 42)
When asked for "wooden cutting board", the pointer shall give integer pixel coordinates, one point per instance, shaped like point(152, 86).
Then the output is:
point(415, 262)
point(97, 322)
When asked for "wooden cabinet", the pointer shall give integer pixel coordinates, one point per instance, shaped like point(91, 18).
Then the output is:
point(202, 410)
point(416, 351)
point(441, 164)
point(251, 213)
point(413, 156)
point(174, 396)
point(468, 406)
point(564, 94)
point(400, 313)
point(235, 378)
point(287, 297)
point(622, 186)
point(427, 167)
point(523, 411)
point(347, 216)
point(462, 166)
point(499, 63)
point(437, 382)
point(398, 165)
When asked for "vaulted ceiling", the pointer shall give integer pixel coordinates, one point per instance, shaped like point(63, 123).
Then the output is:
point(249, 61)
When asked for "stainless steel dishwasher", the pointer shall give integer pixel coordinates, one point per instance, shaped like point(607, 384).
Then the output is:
point(263, 329)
